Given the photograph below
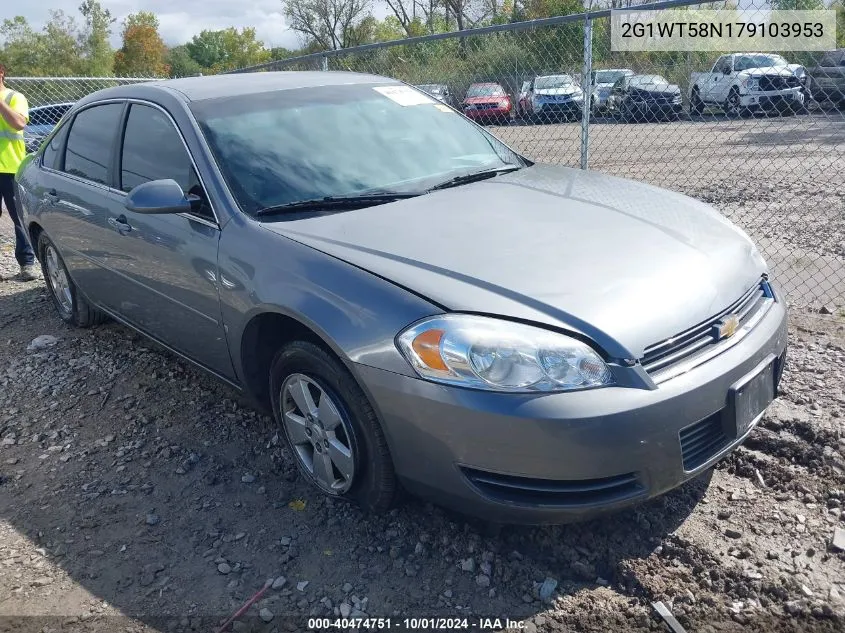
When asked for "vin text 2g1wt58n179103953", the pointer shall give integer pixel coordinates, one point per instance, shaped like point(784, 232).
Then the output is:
point(344, 249)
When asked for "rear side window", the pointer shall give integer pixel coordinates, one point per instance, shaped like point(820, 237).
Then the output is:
point(89, 143)
point(153, 150)
point(52, 153)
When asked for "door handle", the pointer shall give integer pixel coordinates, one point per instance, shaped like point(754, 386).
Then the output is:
point(121, 224)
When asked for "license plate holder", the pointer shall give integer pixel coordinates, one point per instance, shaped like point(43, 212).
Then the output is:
point(750, 396)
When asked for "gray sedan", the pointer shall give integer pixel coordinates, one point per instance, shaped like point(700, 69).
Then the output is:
point(415, 303)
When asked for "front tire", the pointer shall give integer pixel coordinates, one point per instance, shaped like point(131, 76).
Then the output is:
point(331, 428)
point(733, 105)
point(72, 307)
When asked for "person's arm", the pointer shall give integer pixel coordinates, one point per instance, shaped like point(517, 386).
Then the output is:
point(14, 118)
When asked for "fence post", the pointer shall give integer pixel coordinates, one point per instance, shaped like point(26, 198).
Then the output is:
point(586, 88)
point(324, 63)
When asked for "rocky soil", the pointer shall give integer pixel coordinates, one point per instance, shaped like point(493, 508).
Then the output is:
point(137, 494)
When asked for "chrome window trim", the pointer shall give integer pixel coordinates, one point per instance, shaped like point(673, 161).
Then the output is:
point(190, 216)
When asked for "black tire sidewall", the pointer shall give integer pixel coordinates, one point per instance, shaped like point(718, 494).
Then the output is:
point(373, 486)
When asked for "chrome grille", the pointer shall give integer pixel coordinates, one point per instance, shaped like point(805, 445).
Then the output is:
point(659, 359)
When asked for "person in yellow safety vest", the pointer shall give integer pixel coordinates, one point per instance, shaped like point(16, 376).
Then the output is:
point(14, 115)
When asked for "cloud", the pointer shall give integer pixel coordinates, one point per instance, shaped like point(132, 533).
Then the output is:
point(181, 19)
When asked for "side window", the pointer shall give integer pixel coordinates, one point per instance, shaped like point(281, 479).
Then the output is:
point(722, 65)
point(153, 150)
point(89, 143)
point(52, 153)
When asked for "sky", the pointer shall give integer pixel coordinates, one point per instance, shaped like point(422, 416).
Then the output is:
point(179, 19)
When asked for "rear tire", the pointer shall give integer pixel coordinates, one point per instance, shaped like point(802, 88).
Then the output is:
point(72, 307)
point(372, 482)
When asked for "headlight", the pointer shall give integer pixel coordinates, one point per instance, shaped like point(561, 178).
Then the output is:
point(752, 83)
point(486, 353)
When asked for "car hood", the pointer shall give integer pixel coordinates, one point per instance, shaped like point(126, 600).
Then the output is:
point(773, 71)
point(624, 263)
point(567, 90)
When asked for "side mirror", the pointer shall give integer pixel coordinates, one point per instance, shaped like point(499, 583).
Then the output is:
point(161, 196)
point(726, 70)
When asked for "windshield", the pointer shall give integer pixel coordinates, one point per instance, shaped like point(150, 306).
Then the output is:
point(746, 62)
point(485, 90)
point(607, 76)
point(282, 147)
point(648, 81)
point(553, 81)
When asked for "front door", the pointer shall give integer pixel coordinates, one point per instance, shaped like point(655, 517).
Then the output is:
point(166, 264)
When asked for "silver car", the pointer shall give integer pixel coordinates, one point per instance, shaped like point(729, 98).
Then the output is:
point(416, 304)
point(601, 82)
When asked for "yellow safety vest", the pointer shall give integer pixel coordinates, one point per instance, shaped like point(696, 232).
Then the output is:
point(12, 146)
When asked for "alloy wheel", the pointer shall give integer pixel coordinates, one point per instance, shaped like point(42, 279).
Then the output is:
point(319, 432)
point(59, 283)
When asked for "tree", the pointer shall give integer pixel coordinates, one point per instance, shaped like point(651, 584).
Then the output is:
point(227, 49)
point(796, 5)
point(206, 49)
point(330, 23)
point(58, 46)
point(97, 54)
point(143, 53)
point(181, 63)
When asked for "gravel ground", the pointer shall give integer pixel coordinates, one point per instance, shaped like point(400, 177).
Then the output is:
point(137, 494)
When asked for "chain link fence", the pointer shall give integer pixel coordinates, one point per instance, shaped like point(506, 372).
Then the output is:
point(50, 98)
point(769, 154)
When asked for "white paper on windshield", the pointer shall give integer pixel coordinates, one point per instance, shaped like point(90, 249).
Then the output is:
point(404, 96)
point(443, 108)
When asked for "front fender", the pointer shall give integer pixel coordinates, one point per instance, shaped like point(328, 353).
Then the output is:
point(356, 313)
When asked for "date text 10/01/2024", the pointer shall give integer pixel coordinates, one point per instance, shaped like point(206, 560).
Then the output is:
point(410, 624)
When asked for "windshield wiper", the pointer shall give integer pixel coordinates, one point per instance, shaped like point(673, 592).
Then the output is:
point(357, 201)
point(474, 177)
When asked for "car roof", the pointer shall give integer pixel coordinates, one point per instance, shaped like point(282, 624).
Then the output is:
point(214, 86)
point(486, 83)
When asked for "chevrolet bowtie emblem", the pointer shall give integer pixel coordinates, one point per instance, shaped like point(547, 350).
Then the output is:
point(727, 327)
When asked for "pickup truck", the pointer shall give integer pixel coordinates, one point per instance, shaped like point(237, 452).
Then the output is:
point(827, 80)
point(742, 82)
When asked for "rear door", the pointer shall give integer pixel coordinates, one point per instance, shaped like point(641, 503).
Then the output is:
point(165, 266)
point(75, 185)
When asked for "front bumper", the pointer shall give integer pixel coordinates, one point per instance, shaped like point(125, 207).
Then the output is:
point(558, 107)
point(487, 454)
point(773, 99)
point(655, 108)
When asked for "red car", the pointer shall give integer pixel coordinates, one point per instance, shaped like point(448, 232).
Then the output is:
point(487, 103)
